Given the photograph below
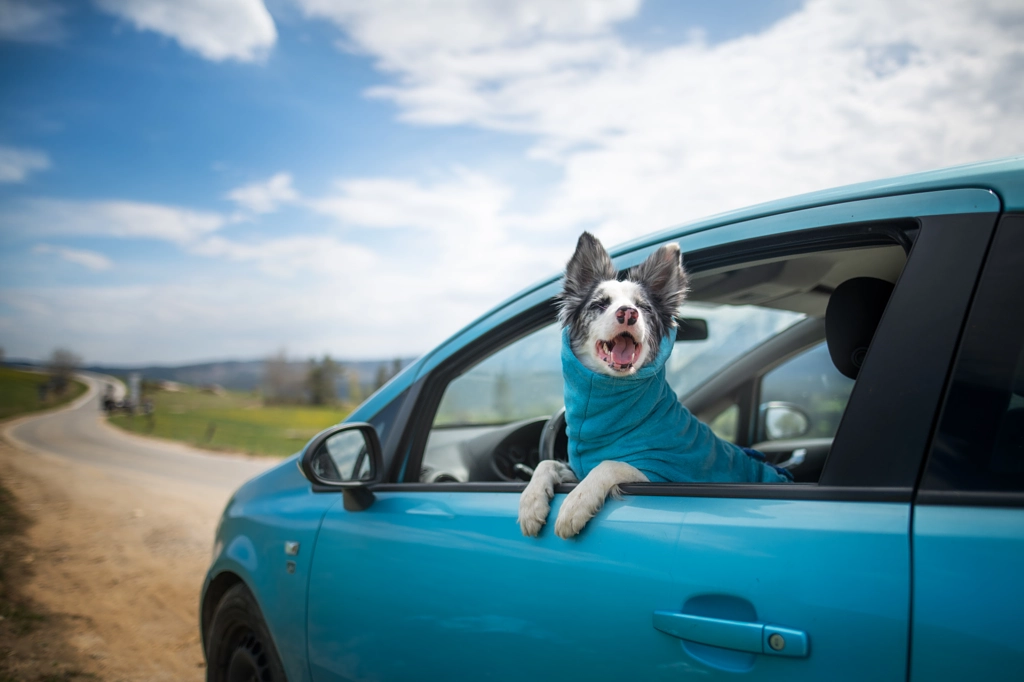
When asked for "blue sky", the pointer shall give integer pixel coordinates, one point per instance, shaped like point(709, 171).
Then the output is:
point(185, 180)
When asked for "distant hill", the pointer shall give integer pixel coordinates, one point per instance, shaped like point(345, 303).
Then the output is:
point(244, 375)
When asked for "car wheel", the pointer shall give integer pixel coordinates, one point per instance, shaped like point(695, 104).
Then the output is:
point(240, 648)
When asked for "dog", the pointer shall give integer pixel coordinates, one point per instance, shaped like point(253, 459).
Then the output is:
point(625, 423)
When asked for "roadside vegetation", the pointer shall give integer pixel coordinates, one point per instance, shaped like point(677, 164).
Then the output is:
point(24, 392)
point(228, 420)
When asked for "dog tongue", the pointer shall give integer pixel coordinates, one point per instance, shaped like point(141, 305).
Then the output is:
point(624, 350)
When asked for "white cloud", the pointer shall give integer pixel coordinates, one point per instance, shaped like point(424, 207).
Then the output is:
point(89, 259)
point(30, 21)
point(456, 238)
point(127, 219)
point(265, 197)
point(293, 255)
point(638, 138)
point(837, 92)
point(16, 164)
point(215, 29)
point(467, 202)
point(401, 31)
point(217, 314)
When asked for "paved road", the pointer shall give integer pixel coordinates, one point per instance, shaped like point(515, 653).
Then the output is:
point(81, 434)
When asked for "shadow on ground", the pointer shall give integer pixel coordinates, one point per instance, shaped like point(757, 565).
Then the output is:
point(34, 642)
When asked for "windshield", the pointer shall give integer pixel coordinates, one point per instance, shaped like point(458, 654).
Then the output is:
point(732, 331)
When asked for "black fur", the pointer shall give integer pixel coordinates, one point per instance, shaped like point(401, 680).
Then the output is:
point(663, 278)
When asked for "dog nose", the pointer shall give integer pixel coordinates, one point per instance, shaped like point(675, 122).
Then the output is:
point(626, 315)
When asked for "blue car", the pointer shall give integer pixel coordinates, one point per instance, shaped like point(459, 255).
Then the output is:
point(869, 339)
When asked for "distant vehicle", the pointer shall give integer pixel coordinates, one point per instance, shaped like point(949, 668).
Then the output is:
point(389, 549)
point(107, 402)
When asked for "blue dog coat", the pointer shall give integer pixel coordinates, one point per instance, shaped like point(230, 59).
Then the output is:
point(639, 420)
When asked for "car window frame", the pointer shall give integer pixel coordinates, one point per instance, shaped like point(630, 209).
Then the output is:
point(844, 481)
point(926, 495)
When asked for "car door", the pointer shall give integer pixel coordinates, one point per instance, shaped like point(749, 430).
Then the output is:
point(799, 582)
point(969, 517)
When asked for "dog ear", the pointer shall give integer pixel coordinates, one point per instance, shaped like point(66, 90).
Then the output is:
point(664, 277)
point(590, 264)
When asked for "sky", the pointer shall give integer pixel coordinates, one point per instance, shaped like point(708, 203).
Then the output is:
point(194, 180)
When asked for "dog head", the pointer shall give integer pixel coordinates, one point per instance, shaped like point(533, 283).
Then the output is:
point(615, 326)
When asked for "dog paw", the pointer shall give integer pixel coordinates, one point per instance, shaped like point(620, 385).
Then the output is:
point(579, 507)
point(533, 511)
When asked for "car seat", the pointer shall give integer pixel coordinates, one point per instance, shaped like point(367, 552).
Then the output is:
point(853, 313)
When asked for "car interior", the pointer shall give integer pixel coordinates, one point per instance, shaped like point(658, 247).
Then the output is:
point(767, 356)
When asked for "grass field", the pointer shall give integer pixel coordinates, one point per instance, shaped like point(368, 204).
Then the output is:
point(231, 421)
point(19, 393)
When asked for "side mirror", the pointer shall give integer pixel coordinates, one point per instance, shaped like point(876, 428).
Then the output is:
point(783, 421)
point(346, 457)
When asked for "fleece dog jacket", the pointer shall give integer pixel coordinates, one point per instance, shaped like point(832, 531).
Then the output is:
point(639, 420)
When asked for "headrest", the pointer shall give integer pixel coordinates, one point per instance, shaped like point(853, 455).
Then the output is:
point(854, 310)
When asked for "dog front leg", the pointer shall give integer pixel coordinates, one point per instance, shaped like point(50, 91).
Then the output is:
point(588, 497)
point(535, 502)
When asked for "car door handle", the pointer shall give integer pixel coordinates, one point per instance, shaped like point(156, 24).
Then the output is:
point(757, 638)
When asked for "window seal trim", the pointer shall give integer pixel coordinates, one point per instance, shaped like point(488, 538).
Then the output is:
point(794, 491)
point(969, 498)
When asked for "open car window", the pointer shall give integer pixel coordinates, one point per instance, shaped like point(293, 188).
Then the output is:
point(764, 348)
point(522, 380)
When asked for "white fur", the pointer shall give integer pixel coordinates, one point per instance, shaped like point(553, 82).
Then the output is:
point(535, 502)
point(581, 504)
point(588, 497)
point(606, 326)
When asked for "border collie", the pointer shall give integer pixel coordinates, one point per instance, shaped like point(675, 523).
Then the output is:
point(625, 423)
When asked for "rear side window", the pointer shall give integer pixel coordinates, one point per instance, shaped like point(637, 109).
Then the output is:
point(811, 382)
point(980, 443)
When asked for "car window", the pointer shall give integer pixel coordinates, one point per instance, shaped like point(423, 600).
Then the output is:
point(519, 381)
point(727, 424)
point(980, 443)
point(811, 383)
point(732, 331)
point(491, 416)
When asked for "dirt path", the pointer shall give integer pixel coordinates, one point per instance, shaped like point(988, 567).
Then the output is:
point(118, 564)
point(113, 558)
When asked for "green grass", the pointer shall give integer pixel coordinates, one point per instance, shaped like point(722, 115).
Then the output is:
point(233, 421)
point(19, 393)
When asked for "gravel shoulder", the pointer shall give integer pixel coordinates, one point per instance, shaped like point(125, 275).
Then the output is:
point(113, 554)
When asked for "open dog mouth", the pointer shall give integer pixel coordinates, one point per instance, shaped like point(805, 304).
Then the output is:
point(619, 353)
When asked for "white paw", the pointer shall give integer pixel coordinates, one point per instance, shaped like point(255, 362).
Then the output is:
point(579, 507)
point(534, 505)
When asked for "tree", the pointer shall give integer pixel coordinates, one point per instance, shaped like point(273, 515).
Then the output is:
point(320, 380)
point(382, 376)
point(355, 391)
point(502, 397)
point(396, 366)
point(282, 381)
point(62, 365)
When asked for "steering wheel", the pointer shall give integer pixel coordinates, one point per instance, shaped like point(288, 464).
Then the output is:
point(553, 435)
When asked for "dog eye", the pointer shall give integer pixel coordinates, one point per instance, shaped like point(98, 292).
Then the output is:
point(600, 304)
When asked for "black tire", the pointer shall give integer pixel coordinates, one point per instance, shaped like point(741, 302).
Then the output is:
point(240, 648)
